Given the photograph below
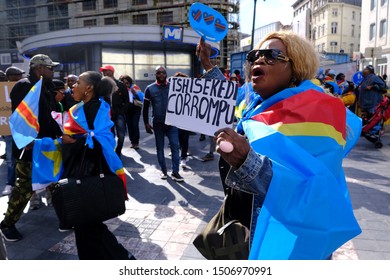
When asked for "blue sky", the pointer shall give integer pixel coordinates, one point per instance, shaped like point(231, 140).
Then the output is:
point(266, 12)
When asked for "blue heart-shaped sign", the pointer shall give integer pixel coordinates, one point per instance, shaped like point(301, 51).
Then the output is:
point(207, 22)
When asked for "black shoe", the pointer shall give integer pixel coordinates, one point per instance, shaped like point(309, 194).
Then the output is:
point(11, 233)
point(62, 228)
point(4, 156)
point(207, 157)
point(164, 175)
point(176, 176)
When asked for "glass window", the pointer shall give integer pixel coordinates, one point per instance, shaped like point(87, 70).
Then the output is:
point(90, 22)
point(333, 28)
point(164, 17)
point(353, 30)
point(383, 28)
point(60, 10)
point(111, 21)
point(140, 2)
point(353, 14)
point(383, 2)
point(373, 4)
point(89, 5)
point(334, 12)
point(58, 24)
point(140, 19)
point(149, 57)
point(372, 31)
point(122, 60)
point(178, 58)
point(110, 4)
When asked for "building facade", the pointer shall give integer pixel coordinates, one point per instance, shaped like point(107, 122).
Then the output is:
point(336, 26)
point(128, 34)
point(375, 46)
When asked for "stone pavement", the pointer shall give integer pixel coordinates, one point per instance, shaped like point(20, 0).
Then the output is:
point(163, 216)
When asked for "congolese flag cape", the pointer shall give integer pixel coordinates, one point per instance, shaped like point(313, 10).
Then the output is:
point(77, 125)
point(307, 213)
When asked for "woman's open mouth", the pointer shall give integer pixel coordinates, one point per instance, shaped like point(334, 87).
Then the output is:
point(257, 72)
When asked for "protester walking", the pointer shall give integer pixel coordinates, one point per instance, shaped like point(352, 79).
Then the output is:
point(40, 66)
point(156, 95)
point(94, 241)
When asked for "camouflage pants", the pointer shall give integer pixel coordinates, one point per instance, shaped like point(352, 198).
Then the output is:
point(21, 193)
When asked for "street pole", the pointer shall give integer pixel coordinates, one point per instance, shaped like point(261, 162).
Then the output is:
point(253, 25)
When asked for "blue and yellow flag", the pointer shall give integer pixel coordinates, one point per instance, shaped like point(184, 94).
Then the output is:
point(77, 126)
point(307, 212)
point(47, 162)
point(24, 120)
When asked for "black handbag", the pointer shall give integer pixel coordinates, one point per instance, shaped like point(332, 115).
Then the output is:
point(89, 200)
point(224, 238)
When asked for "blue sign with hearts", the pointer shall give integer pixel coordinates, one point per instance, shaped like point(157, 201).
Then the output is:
point(207, 22)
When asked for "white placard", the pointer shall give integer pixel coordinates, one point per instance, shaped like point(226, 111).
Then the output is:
point(201, 105)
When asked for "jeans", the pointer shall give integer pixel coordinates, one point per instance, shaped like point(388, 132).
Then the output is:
point(184, 136)
point(132, 119)
point(119, 131)
point(10, 160)
point(172, 133)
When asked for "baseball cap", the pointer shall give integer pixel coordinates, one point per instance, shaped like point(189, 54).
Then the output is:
point(107, 67)
point(42, 59)
point(332, 72)
point(13, 70)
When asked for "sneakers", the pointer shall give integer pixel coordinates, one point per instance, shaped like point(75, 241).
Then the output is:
point(11, 233)
point(176, 177)
point(164, 175)
point(208, 157)
point(35, 202)
point(7, 190)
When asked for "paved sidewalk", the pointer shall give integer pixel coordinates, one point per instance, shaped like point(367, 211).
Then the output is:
point(163, 216)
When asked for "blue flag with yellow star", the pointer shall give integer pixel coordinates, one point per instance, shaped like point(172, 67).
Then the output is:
point(47, 162)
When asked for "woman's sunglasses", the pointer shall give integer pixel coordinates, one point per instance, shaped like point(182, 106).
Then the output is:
point(270, 56)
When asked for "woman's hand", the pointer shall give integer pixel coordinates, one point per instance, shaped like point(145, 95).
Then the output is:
point(67, 139)
point(241, 146)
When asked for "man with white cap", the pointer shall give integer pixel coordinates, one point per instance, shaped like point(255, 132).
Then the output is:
point(40, 65)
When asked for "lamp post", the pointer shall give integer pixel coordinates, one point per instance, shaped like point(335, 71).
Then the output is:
point(253, 25)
